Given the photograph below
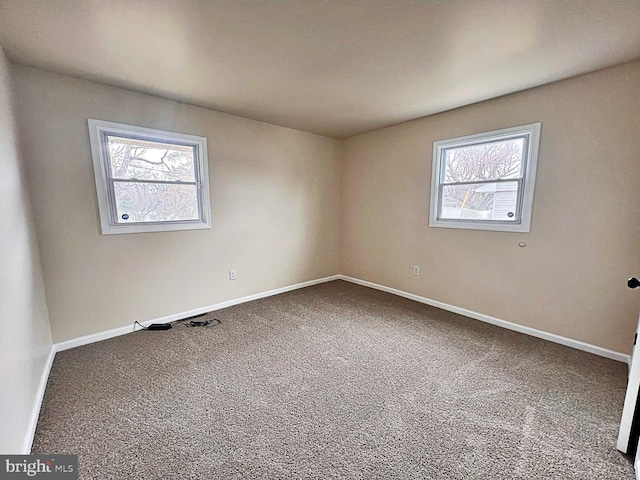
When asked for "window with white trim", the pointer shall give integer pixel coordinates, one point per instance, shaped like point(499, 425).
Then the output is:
point(149, 180)
point(485, 181)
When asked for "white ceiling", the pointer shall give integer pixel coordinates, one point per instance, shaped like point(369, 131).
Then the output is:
point(333, 67)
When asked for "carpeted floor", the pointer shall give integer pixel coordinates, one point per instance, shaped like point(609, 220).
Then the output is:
point(335, 381)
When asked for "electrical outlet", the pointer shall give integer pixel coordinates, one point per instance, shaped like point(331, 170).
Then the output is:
point(416, 270)
point(232, 275)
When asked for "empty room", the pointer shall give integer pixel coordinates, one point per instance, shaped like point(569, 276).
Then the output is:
point(276, 239)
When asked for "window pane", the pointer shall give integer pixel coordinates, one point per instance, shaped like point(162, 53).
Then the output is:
point(486, 201)
point(145, 160)
point(154, 202)
point(486, 161)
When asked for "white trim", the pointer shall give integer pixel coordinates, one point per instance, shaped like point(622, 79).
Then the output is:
point(35, 412)
point(636, 466)
point(552, 337)
point(527, 179)
point(106, 200)
point(96, 337)
point(630, 399)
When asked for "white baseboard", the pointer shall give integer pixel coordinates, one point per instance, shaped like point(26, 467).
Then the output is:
point(35, 412)
point(552, 337)
point(96, 337)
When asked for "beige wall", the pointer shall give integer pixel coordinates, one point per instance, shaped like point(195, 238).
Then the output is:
point(290, 206)
point(585, 234)
point(274, 198)
point(25, 337)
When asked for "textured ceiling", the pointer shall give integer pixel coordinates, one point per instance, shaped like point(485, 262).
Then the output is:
point(333, 67)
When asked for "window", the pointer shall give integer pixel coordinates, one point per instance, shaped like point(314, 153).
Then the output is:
point(149, 180)
point(485, 181)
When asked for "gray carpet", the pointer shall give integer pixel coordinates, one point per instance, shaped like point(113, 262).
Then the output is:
point(335, 381)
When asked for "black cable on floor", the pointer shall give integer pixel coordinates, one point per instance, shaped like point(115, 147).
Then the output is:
point(201, 323)
point(191, 323)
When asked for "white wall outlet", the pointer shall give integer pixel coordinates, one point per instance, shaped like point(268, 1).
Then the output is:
point(232, 275)
point(416, 270)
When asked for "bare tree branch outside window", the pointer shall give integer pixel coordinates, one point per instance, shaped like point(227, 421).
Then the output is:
point(148, 180)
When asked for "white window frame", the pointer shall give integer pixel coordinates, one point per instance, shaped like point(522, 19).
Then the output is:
point(98, 129)
point(527, 180)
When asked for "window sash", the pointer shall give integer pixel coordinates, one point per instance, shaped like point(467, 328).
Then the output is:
point(518, 212)
point(111, 180)
point(520, 179)
point(113, 210)
point(477, 182)
point(499, 138)
point(107, 156)
point(162, 182)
